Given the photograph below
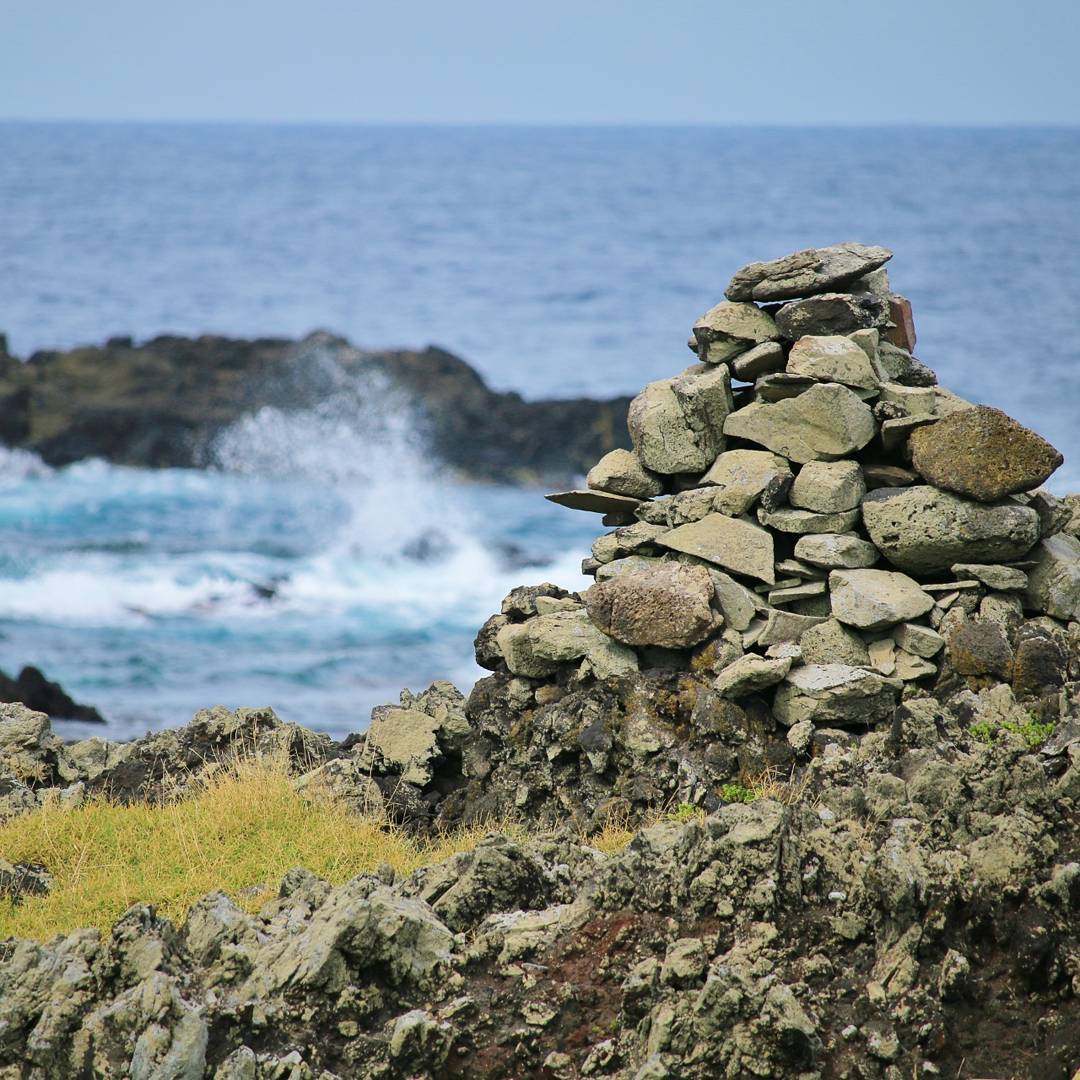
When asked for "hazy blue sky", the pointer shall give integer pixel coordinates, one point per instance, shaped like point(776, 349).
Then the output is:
point(547, 61)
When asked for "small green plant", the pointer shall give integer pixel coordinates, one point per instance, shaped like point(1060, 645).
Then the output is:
point(1032, 731)
point(684, 812)
point(737, 793)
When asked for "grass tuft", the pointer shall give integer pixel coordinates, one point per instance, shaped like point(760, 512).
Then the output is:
point(239, 833)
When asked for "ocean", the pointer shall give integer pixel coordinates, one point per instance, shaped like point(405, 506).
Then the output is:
point(328, 561)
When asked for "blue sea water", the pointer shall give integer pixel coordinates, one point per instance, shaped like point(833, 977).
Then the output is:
point(558, 261)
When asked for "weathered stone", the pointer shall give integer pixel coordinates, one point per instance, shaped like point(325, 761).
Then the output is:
point(826, 422)
point(979, 647)
point(805, 273)
point(743, 476)
point(877, 475)
point(667, 605)
point(1040, 664)
point(781, 385)
point(901, 329)
point(898, 365)
point(835, 694)
point(1054, 580)
point(621, 473)
point(801, 522)
point(749, 675)
point(606, 571)
point(729, 328)
point(596, 502)
point(792, 594)
point(801, 570)
point(764, 359)
point(876, 599)
point(832, 359)
point(895, 433)
point(832, 550)
point(738, 603)
point(918, 640)
point(949, 403)
point(828, 486)
point(923, 530)
point(1003, 578)
point(914, 400)
point(784, 626)
point(677, 424)
point(406, 739)
point(830, 642)
point(983, 453)
point(732, 543)
point(882, 655)
point(626, 541)
point(909, 666)
point(831, 313)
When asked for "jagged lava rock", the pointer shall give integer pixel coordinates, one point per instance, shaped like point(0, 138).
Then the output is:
point(832, 313)
point(667, 605)
point(876, 599)
point(924, 530)
point(814, 270)
point(825, 422)
point(832, 358)
point(728, 329)
point(729, 542)
point(983, 453)
point(621, 473)
point(828, 486)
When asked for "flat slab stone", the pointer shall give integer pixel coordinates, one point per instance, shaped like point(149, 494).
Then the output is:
point(895, 433)
point(781, 385)
point(764, 359)
point(814, 270)
point(736, 545)
point(803, 591)
point(749, 675)
point(667, 605)
point(728, 329)
point(788, 519)
point(983, 453)
point(825, 422)
point(596, 502)
point(918, 640)
point(876, 599)
point(924, 530)
point(832, 313)
point(782, 626)
point(1002, 578)
point(831, 551)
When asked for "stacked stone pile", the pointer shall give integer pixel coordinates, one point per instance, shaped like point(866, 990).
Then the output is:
point(807, 515)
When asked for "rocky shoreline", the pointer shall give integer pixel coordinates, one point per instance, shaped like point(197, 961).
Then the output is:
point(829, 670)
point(161, 403)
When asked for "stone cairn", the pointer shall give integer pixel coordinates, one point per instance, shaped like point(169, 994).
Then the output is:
point(806, 515)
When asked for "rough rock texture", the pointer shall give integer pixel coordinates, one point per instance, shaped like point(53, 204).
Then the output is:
point(815, 270)
point(621, 472)
point(729, 542)
point(831, 313)
point(728, 329)
point(832, 359)
point(825, 422)
point(876, 599)
point(666, 606)
point(983, 453)
point(922, 529)
point(162, 403)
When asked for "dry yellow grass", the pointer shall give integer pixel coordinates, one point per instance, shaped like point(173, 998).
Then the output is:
point(239, 834)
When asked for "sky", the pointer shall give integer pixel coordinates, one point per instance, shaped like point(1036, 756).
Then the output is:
point(543, 62)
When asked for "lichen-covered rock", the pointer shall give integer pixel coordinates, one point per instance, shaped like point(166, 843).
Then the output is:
point(835, 694)
point(805, 273)
point(728, 329)
point(831, 313)
point(876, 599)
point(825, 422)
point(667, 606)
point(732, 543)
point(983, 453)
point(621, 472)
point(744, 477)
point(923, 530)
point(1054, 580)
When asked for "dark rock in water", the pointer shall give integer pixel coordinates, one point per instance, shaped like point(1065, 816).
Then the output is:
point(815, 270)
point(983, 453)
point(831, 313)
point(36, 692)
point(161, 403)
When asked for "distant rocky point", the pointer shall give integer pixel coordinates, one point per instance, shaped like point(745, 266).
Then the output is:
point(160, 403)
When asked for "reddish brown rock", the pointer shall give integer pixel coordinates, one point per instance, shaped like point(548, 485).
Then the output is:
point(982, 453)
point(902, 331)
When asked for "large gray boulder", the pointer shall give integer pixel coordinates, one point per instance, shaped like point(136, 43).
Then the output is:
point(667, 605)
point(983, 453)
point(815, 270)
point(924, 530)
point(728, 329)
point(876, 599)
